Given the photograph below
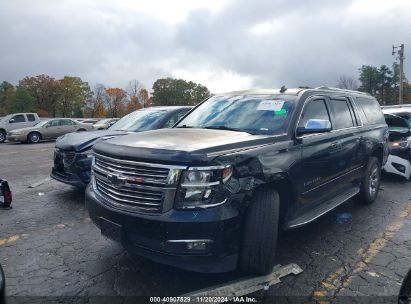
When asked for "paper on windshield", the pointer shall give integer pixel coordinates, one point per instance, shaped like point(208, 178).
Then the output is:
point(270, 105)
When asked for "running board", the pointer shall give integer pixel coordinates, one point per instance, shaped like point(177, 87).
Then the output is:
point(322, 209)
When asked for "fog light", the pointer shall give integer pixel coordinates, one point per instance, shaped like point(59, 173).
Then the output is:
point(399, 167)
point(201, 246)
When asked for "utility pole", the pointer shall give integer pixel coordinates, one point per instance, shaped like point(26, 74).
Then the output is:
point(401, 57)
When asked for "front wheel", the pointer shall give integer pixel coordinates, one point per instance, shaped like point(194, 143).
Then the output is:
point(260, 232)
point(370, 184)
point(34, 138)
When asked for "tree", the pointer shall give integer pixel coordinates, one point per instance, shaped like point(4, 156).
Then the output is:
point(115, 101)
point(7, 92)
point(173, 92)
point(369, 79)
point(347, 82)
point(44, 89)
point(73, 92)
point(22, 101)
point(385, 83)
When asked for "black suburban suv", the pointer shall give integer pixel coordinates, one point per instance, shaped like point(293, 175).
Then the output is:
point(210, 194)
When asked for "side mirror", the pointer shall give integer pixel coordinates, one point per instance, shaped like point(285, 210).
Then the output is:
point(11, 120)
point(315, 126)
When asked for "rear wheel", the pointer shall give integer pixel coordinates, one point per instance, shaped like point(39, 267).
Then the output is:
point(260, 232)
point(2, 136)
point(34, 137)
point(370, 184)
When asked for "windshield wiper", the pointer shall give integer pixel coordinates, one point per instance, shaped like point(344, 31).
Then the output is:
point(184, 126)
point(227, 128)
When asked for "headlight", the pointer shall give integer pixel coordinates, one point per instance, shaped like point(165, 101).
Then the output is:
point(203, 187)
point(400, 144)
point(88, 153)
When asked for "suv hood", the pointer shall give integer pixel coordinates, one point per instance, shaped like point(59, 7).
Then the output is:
point(180, 145)
point(79, 141)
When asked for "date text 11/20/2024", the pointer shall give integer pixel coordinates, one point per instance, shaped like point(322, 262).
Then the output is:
point(202, 299)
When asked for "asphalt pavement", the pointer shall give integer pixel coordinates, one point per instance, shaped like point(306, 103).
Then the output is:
point(49, 248)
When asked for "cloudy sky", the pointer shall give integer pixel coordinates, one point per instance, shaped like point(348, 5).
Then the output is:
point(223, 44)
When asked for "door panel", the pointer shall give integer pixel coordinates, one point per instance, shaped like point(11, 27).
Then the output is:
point(348, 164)
point(319, 152)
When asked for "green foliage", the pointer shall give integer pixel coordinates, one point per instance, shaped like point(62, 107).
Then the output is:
point(7, 92)
point(383, 83)
point(23, 101)
point(173, 92)
point(72, 94)
point(45, 91)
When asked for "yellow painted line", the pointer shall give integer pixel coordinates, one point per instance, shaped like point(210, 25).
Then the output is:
point(15, 238)
point(343, 276)
point(9, 240)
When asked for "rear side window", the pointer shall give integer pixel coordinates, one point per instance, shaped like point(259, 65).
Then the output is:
point(315, 109)
point(55, 123)
point(17, 118)
point(370, 111)
point(342, 114)
point(30, 117)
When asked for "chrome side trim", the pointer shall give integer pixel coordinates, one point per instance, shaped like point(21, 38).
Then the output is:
point(189, 241)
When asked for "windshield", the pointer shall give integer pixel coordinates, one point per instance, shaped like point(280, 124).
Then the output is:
point(255, 114)
point(103, 121)
point(139, 121)
point(42, 123)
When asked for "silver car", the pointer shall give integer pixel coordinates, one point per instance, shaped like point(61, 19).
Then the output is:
point(47, 129)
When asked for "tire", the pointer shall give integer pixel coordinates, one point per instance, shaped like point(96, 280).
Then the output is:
point(2, 136)
point(260, 232)
point(34, 137)
point(370, 183)
point(2, 285)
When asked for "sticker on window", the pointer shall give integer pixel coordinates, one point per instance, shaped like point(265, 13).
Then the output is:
point(270, 105)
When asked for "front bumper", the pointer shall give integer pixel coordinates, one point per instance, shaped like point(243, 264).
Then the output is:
point(161, 237)
point(77, 173)
point(16, 138)
point(399, 166)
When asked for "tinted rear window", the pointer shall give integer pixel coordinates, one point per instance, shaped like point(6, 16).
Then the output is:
point(342, 116)
point(31, 117)
point(370, 111)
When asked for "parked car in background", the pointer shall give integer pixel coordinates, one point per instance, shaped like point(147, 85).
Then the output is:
point(105, 123)
point(16, 121)
point(72, 156)
point(211, 193)
point(91, 121)
point(399, 160)
point(47, 129)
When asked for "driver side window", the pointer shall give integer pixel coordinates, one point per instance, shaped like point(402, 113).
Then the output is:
point(315, 109)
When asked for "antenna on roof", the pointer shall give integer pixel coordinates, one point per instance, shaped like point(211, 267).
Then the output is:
point(283, 89)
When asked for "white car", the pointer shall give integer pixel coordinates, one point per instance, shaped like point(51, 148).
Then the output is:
point(16, 121)
point(399, 160)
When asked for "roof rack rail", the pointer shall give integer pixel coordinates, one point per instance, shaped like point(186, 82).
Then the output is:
point(340, 90)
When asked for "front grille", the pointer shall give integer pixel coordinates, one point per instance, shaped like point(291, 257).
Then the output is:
point(68, 157)
point(65, 157)
point(134, 186)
